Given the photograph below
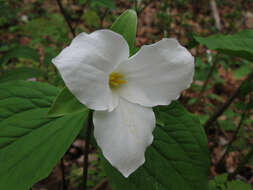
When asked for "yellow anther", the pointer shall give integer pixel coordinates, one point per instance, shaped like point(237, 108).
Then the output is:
point(115, 79)
point(114, 83)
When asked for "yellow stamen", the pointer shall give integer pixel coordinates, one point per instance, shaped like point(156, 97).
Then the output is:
point(115, 79)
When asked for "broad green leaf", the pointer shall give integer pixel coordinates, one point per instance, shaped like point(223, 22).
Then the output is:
point(65, 103)
point(126, 25)
point(17, 96)
point(20, 52)
point(177, 159)
point(31, 144)
point(21, 73)
point(239, 44)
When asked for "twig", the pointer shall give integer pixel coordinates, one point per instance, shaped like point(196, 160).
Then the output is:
point(222, 160)
point(101, 185)
point(102, 18)
point(220, 110)
point(64, 184)
point(86, 150)
point(216, 14)
point(85, 7)
point(66, 17)
point(242, 163)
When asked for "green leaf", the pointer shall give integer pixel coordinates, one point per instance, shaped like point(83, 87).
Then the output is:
point(201, 69)
point(31, 144)
point(20, 52)
point(53, 26)
point(246, 87)
point(21, 73)
point(203, 118)
point(126, 25)
point(177, 159)
point(239, 44)
point(218, 183)
point(50, 53)
point(221, 179)
point(192, 101)
point(109, 4)
point(238, 185)
point(227, 125)
point(17, 96)
point(244, 70)
point(221, 183)
point(91, 18)
point(65, 103)
point(215, 97)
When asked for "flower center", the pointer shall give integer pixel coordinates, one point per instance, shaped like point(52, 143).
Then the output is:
point(116, 79)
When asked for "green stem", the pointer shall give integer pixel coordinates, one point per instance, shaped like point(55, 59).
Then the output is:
point(221, 163)
point(64, 184)
point(86, 150)
point(221, 109)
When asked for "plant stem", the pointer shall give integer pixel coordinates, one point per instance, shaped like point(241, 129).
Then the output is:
point(66, 17)
point(220, 110)
point(86, 150)
point(102, 18)
point(221, 162)
point(64, 184)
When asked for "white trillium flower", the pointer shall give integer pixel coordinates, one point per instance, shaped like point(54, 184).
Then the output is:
point(97, 69)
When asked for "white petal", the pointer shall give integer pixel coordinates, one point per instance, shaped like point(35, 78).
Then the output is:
point(86, 64)
point(124, 134)
point(157, 73)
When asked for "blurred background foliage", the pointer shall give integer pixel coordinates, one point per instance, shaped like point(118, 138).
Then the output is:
point(32, 32)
